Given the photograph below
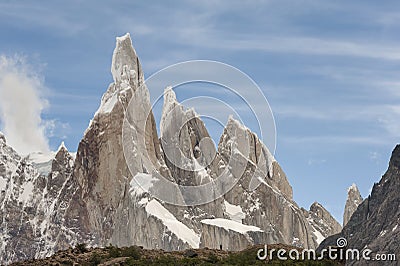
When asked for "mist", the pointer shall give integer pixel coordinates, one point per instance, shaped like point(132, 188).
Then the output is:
point(21, 105)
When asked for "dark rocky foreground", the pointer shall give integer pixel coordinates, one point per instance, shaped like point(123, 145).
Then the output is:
point(135, 255)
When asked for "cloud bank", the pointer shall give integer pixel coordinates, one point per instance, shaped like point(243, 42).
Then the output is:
point(21, 105)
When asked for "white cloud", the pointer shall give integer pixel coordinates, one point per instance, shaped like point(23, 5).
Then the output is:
point(21, 105)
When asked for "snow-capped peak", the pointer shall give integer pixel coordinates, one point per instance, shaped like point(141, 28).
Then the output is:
point(62, 147)
point(125, 37)
point(124, 61)
point(353, 187)
point(170, 102)
point(169, 97)
point(236, 123)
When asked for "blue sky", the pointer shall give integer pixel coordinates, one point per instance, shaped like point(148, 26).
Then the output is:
point(330, 71)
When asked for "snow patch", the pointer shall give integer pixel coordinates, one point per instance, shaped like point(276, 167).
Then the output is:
point(231, 225)
point(40, 157)
point(183, 232)
point(394, 228)
point(169, 104)
point(143, 201)
point(353, 187)
point(3, 183)
point(27, 192)
point(107, 106)
point(141, 183)
point(42, 161)
point(234, 212)
point(382, 233)
point(62, 146)
point(319, 236)
point(125, 37)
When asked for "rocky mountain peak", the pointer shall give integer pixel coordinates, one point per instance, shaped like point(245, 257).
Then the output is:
point(62, 148)
point(353, 200)
point(395, 158)
point(318, 209)
point(127, 74)
point(125, 63)
point(63, 156)
point(169, 105)
point(321, 221)
point(97, 198)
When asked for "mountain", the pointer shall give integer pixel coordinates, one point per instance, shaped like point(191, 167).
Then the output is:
point(104, 194)
point(353, 200)
point(321, 221)
point(375, 223)
point(31, 204)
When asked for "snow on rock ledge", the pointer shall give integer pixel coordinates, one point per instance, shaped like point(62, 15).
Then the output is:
point(234, 212)
point(231, 225)
point(179, 229)
point(229, 234)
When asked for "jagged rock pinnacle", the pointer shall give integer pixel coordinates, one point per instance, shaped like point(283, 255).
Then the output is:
point(62, 147)
point(353, 200)
point(395, 159)
point(125, 63)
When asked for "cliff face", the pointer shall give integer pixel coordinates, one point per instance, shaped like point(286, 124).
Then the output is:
point(353, 200)
point(32, 205)
point(107, 194)
point(375, 223)
point(263, 192)
point(230, 235)
point(321, 221)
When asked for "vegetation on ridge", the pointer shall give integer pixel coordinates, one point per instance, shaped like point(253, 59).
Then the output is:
point(134, 255)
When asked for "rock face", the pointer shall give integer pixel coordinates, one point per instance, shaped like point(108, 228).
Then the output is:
point(32, 207)
point(270, 205)
point(96, 197)
point(321, 221)
point(229, 235)
point(353, 200)
point(375, 223)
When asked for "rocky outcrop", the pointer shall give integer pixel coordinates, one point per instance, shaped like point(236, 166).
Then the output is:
point(31, 204)
point(321, 221)
point(375, 223)
point(353, 200)
point(262, 191)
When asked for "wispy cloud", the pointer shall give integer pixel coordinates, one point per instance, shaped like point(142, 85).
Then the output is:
point(375, 156)
point(50, 17)
point(334, 139)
